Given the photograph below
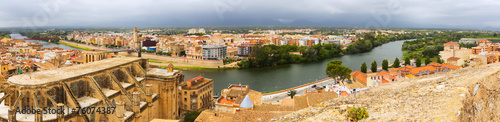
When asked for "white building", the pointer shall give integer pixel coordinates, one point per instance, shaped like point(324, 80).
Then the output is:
point(196, 30)
point(214, 52)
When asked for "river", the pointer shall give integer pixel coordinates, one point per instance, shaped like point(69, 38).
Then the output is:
point(280, 77)
point(288, 76)
point(44, 43)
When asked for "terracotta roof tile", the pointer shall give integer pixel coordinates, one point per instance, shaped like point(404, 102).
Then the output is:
point(422, 69)
point(453, 59)
point(451, 44)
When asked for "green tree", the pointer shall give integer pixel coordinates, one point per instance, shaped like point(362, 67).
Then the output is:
point(292, 93)
point(495, 35)
point(418, 62)
point(337, 71)
point(407, 61)
point(427, 60)
point(159, 52)
point(191, 116)
point(363, 67)
point(374, 66)
point(441, 61)
point(385, 65)
point(396, 63)
point(182, 53)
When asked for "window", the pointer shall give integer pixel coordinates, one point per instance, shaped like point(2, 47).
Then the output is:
point(185, 99)
point(185, 106)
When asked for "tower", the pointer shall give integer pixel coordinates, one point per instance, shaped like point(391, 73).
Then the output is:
point(135, 37)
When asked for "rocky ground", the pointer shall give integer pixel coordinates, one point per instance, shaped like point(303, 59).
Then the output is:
point(439, 97)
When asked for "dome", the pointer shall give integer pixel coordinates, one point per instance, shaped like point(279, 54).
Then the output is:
point(246, 103)
point(67, 62)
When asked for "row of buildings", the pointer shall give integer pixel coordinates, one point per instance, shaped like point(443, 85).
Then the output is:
point(453, 55)
point(485, 52)
point(214, 46)
point(20, 57)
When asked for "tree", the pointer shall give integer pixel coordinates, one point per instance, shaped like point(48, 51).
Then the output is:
point(441, 61)
point(396, 63)
point(363, 67)
point(407, 61)
point(292, 93)
point(374, 66)
point(495, 35)
point(427, 61)
point(182, 53)
point(337, 71)
point(159, 52)
point(418, 62)
point(191, 116)
point(385, 65)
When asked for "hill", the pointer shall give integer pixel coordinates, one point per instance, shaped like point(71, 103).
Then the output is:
point(440, 97)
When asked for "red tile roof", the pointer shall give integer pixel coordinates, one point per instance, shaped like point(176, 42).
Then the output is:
point(383, 72)
point(484, 41)
point(225, 101)
point(196, 78)
point(344, 93)
point(453, 59)
point(358, 75)
point(451, 44)
point(384, 81)
point(422, 69)
point(434, 64)
point(450, 66)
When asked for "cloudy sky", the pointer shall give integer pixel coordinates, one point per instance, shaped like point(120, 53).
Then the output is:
point(477, 14)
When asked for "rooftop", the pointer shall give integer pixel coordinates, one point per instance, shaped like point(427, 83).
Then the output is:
point(162, 72)
point(60, 74)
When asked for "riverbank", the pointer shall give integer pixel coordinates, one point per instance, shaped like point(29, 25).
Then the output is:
point(295, 88)
point(83, 48)
point(78, 45)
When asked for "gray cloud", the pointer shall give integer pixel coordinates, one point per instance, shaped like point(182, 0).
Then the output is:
point(378, 13)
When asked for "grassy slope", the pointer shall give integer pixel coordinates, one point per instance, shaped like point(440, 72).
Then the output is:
point(74, 46)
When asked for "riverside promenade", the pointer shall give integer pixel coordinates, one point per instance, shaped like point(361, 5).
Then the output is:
point(275, 96)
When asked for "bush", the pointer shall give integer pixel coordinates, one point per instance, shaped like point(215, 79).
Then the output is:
point(191, 116)
point(357, 114)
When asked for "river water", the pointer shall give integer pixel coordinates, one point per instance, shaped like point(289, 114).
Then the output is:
point(288, 76)
point(280, 77)
point(45, 43)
